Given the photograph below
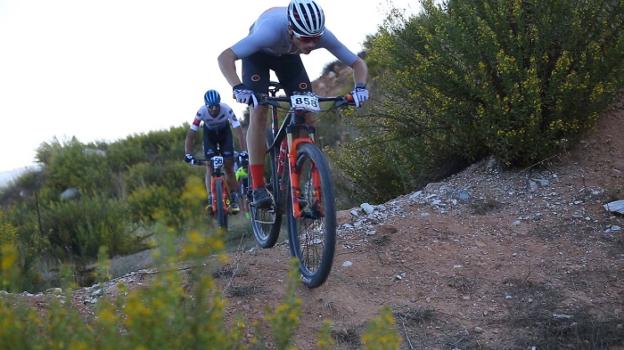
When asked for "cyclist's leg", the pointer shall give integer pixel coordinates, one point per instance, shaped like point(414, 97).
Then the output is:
point(291, 73)
point(210, 146)
point(227, 150)
point(256, 76)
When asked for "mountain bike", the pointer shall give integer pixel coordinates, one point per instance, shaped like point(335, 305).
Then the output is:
point(300, 181)
point(219, 199)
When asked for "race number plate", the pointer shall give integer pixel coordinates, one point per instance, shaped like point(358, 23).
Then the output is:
point(309, 103)
point(217, 162)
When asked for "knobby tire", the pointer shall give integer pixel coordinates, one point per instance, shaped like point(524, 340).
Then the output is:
point(312, 239)
point(220, 213)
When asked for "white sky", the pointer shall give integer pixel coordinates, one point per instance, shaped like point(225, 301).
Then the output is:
point(106, 69)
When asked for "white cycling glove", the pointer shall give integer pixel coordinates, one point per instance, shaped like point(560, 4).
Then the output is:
point(360, 94)
point(190, 159)
point(243, 95)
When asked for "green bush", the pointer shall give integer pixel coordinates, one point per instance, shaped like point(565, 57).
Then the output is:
point(74, 165)
point(154, 147)
point(170, 312)
point(9, 271)
point(520, 80)
point(152, 203)
point(77, 229)
point(170, 174)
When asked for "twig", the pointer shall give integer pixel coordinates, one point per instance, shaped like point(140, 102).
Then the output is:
point(406, 334)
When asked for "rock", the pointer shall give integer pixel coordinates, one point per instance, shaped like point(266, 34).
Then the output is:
point(347, 263)
point(533, 186)
point(615, 207)
point(69, 193)
point(492, 165)
point(368, 209)
point(541, 182)
point(463, 196)
point(613, 228)
point(415, 196)
point(343, 217)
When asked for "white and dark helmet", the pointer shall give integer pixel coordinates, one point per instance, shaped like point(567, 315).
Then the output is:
point(306, 17)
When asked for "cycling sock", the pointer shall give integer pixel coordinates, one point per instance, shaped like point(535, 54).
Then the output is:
point(257, 175)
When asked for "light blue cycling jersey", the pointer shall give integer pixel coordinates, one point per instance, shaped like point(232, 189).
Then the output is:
point(270, 34)
point(213, 123)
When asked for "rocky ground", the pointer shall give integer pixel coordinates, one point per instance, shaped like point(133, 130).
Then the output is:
point(486, 259)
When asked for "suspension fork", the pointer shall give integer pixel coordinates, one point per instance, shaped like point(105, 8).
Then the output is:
point(226, 193)
point(295, 188)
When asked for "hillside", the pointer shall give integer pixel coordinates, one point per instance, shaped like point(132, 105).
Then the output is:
point(486, 259)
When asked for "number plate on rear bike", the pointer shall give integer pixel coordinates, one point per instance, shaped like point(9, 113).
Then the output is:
point(309, 103)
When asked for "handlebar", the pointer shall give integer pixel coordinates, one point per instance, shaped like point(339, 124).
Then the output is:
point(339, 100)
point(275, 87)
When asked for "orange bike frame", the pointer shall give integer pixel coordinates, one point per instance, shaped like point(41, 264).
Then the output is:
point(294, 177)
point(213, 190)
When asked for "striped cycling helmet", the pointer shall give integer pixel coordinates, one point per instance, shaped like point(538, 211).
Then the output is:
point(306, 17)
point(211, 98)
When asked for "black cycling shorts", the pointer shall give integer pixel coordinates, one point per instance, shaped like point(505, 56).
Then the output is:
point(221, 138)
point(289, 70)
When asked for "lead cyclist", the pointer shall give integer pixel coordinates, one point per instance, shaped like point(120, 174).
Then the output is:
point(275, 42)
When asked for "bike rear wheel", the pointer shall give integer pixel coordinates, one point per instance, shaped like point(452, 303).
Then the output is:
point(220, 213)
point(312, 237)
point(266, 223)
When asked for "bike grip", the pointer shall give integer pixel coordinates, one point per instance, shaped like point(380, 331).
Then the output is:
point(349, 98)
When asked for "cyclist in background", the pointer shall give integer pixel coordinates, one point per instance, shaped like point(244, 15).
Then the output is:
point(242, 176)
point(275, 42)
point(215, 116)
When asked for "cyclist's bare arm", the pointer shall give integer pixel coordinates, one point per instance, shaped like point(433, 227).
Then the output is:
point(360, 71)
point(188, 143)
point(227, 65)
point(241, 138)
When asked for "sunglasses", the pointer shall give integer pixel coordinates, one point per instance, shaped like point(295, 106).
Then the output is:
point(307, 39)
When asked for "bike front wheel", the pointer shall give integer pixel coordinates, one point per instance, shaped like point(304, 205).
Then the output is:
point(312, 235)
point(220, 213)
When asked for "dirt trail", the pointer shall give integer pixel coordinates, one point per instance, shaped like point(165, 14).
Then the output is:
point(486, 259)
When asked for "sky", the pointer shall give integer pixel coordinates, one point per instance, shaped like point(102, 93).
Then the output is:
point(101, 70)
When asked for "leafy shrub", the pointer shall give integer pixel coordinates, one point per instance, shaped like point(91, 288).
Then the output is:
point(520, 80)
point(381, 332)
point(73, 164)
point(152, 203)
point(170, 174)
point(171, 312)
point(8, 255)
point(153, 147)
point(79, 228)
